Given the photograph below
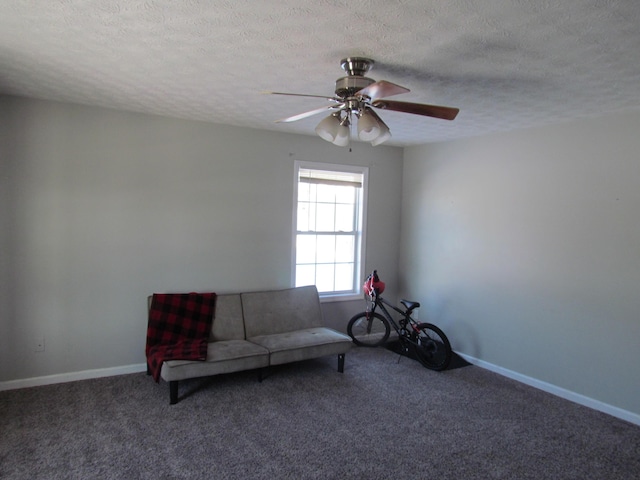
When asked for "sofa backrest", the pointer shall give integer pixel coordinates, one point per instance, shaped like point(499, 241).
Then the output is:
point(280, 311)
point(227, 323)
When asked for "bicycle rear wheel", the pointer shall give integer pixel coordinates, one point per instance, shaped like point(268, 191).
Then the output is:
point(368, 329)
point(432, 347)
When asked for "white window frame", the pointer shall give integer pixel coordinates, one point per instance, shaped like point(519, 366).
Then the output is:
point(359, 260)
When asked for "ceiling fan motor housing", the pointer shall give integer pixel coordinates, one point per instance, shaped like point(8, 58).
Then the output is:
point(356, 68)
point(348, 86)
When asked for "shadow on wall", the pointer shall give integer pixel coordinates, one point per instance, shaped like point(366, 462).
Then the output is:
point(463, 338)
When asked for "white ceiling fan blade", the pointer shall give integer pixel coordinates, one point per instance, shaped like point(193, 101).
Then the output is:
point(310, 113)
point(331, 99)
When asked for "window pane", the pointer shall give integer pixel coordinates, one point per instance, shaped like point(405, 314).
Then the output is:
point(303, 192)
point(305, 275)
point(326, 193)
point(312, 217)
point(326, 252)
point(324, 278)
point(345, 248)
point(325, 221)
point(344, 218)
point(345, 194)
point(344, 277)
point(305, 249)
point(303, 217)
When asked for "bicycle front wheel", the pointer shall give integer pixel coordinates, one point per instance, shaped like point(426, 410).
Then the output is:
point(368, 329)
point(432, 347)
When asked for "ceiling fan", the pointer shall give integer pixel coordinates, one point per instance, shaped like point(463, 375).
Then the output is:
point(355, 95)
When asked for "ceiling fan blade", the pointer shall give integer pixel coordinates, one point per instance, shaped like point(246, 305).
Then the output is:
point(382, 89)
point(436, 111)
point(331, 99)
point(310, 113)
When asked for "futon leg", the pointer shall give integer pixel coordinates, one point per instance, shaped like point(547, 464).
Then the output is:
point(341, 362)
point(173, 392)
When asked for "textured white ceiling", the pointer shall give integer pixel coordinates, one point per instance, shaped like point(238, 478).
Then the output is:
point(506, 64)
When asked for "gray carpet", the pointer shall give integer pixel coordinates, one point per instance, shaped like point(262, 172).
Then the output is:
point(386, 417)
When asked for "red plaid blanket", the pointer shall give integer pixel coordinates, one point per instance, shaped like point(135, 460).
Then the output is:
point(178, 328)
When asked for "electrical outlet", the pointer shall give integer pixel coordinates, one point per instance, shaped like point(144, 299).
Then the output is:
point(38, 343)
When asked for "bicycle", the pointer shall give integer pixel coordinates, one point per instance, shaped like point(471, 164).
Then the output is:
point(426, 341)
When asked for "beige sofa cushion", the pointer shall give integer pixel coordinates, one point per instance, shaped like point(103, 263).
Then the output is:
point(225, 356)
point(303, 344)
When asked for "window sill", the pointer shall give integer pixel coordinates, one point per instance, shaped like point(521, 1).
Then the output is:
point(347, 297)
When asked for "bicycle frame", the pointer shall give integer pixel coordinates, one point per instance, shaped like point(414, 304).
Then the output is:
point(378, 301)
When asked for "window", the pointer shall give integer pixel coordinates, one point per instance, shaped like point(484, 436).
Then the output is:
point(328, 227)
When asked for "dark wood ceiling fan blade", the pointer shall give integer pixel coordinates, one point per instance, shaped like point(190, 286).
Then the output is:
point(331, 99)
point(310, 113)
point(436, 111)
point(382, 89)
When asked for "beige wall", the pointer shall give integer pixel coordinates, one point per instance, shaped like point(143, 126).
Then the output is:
point(525, 248)
point(101, 208)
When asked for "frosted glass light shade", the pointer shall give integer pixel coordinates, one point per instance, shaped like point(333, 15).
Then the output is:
point(328, 128)
point(342, 137)
point(368, 126)
point(384, 135)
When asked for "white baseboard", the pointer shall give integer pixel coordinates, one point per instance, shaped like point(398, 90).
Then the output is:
point(72, 377)
point(555, 390)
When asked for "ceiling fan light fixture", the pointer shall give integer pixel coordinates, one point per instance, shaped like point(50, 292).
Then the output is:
point(383, 137)
point(328, 128)
point(358, 95)
point(343, 135)
point(369, 127)
point(385, 133)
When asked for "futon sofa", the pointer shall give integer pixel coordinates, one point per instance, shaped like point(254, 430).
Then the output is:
point(256, 330)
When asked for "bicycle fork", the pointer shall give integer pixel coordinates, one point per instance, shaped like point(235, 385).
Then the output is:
point(369, 310)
